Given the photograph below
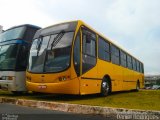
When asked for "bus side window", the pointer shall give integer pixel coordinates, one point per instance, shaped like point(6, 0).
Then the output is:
point(123, 58)
point(77, 54)
point(104, 49)
point(29, 34)
point(22, 62)
point(89, 50)
point(137, 66)
point(129, 62)
point(134, 64)
point(115, 56)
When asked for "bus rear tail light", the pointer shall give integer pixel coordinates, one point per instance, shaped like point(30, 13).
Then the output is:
point(10, 78)
point(7, 77)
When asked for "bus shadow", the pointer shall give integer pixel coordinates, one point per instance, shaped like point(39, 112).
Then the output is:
point(67, 97)
point(59, 97)
point(122, 92)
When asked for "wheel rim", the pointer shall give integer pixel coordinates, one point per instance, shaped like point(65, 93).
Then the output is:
point(105, 87)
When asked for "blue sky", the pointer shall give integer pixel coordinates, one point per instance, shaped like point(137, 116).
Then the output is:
point(132, 24)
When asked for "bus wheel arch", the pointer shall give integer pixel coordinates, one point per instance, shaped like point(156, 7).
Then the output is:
point(106, 86)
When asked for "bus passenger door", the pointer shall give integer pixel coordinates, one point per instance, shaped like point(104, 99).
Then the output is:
point(89, 83)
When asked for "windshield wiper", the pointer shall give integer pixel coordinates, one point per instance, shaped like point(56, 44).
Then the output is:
point(39, 43)
point(57, 39)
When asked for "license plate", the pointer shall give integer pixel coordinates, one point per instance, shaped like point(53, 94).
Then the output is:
point(42, 86)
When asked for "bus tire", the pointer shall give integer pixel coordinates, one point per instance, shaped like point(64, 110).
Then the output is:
point(105, 87)
point(137, 86)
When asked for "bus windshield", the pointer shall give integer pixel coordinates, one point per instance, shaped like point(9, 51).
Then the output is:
point(15, 33)
point(8, 55)
point(51, 53)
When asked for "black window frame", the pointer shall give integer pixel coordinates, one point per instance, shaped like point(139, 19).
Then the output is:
point(86, 31)
point(77, 67)
point(138, 66)
point(129, 62)
point(123, 58)
point(104, 52)
point(141, 68)
point(115, 54)
point(29, 33)
point(134, 64)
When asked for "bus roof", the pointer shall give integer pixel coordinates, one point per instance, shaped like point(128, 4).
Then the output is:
point(29, 25)
point(66, 26)
point(83, 23)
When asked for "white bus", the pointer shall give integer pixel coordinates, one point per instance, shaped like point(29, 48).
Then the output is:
point(14, 48)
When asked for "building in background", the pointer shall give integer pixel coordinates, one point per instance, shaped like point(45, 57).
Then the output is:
point(1, 28)
point(151, 81)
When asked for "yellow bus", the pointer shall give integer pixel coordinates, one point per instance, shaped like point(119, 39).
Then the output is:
point(73, 58)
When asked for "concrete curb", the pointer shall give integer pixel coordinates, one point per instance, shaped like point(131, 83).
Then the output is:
point(75, 108)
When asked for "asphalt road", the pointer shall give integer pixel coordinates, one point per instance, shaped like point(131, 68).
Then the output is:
point(15, 112)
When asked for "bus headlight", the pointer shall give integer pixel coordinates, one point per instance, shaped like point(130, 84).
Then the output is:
point(28, 78)
point(63, 78)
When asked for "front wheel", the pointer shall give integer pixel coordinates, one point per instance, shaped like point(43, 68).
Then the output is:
point(105, 88)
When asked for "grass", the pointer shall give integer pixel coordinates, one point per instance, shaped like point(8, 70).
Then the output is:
point(144, 99)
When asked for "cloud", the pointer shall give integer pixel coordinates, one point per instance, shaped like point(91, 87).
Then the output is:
point(21, 12)
point(132, 24)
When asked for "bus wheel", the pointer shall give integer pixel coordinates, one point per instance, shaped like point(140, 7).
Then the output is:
point(137, 86)
point(105, 88)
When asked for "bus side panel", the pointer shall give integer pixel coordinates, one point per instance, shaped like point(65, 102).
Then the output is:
point(17, 84)
point(20, 81)
point(141, 80)
point(125, 75)
point(140, 77)
point(89, 86)
point(118, 76)
point(128, 82)
point(111, 70)
point(136, 78)
point(89, 82)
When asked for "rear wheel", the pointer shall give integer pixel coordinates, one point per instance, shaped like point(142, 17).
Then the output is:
point(105, 88)
point(137, 86)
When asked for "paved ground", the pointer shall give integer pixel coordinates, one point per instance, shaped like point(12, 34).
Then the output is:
point(27, 113)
